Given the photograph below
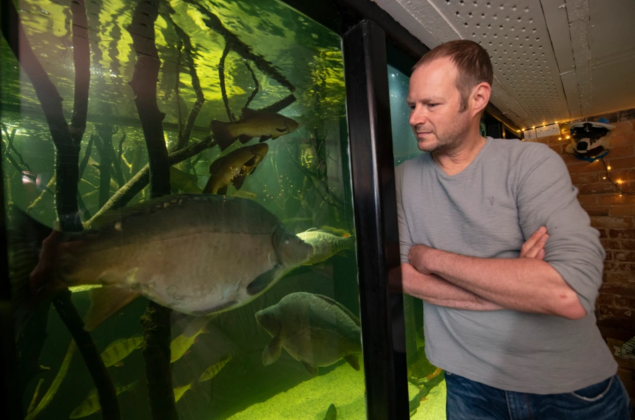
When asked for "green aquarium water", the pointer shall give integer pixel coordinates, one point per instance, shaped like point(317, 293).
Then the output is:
point(263, 323)
point(426, 383)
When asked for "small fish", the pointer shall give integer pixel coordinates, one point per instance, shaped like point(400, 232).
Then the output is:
point(266, 125)
point(183, 181)
point(314, 329)
point(244, 194)
point(91, 404)
point(181, 344)
point(331, 413)
point(234, 168)
point(120, 349)
point(196, 254)
point(179, 391)
point(325, 244)
point(213, 370)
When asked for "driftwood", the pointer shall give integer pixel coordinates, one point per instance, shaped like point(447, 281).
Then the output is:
point(84, 163)
point(141, 178)
point(213, 22)
point(221, 78)
point(256, 86)
point(10, 137)
point(186, 133)
point(103, 143)
point(156, 320)
point(67, 144)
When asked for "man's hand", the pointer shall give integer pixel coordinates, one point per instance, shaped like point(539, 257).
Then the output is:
point(534, 247)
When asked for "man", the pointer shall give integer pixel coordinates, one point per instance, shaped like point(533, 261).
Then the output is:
point(495, 242)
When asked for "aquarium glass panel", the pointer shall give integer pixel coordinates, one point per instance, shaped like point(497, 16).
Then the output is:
point(192, 154)
point(426, 384)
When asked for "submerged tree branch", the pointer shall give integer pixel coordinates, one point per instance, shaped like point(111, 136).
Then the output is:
point(141, 178)
point(103, 142)
point(144, 85)
point(186, 133)
point(89, 351)
point(81, 60)
point(51, 102)
point(89, 148)
point(213, 22)
point(221, 78)
point(156, 320)
point(139, 181)
point(257, 85)
point(67, 146)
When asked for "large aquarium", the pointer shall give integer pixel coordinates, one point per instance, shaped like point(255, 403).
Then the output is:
point(177, 186)
point(426, 382)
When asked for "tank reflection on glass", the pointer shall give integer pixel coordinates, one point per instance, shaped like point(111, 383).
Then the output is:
point(192, 154)
point(426, 382)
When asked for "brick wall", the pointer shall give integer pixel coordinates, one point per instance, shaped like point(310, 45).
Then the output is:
point(614, 216)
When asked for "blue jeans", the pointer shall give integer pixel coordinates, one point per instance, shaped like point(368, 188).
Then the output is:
point(470, 400)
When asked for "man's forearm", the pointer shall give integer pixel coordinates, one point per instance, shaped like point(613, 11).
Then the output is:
point(437, 291)
point(523, 284)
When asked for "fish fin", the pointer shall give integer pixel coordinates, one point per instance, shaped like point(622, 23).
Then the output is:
point(221, 133)
point(244, 138)
point(263, 281)
point(197, 324)
point(239, 180)
point(281, 130)
point(250, 162)
point(248, 112)
point(342, 307)
point(222, 190)
point(272, 351)
point(352, 360)
point(335, 231)
point(264, 138)
point(209, 187)
point(105, 302)
point(310, 368)
point(120, 364)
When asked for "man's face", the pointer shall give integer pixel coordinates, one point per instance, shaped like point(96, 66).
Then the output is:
point(435, 107)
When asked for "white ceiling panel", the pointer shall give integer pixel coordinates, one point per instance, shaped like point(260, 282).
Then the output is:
point(554, 60)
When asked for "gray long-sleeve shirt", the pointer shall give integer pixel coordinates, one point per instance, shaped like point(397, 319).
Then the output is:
point(489, 210)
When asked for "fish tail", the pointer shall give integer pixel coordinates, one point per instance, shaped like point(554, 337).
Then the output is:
point(222, 135)
point(31, 276)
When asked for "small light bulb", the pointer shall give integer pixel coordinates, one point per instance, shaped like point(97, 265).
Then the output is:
point(559, 138)
point(568, 137)
point(603, 177)
point(608, 168)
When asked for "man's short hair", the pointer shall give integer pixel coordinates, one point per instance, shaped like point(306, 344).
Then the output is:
point(471, 60)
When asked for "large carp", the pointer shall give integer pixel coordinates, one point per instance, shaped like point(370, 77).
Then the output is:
point(196, 254)
point(314, 329)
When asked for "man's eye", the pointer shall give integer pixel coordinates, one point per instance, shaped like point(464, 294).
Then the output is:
point(432, 105)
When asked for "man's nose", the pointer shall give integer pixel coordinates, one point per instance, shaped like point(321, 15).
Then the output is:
point(418, 116)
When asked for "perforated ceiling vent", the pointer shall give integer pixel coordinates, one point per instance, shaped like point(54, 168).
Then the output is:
point(516, 37)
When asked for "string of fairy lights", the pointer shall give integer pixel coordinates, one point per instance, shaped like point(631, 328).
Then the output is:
point(607, 167)
point(616, 184)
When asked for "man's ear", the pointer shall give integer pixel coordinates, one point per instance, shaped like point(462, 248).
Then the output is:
point(480, 97)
